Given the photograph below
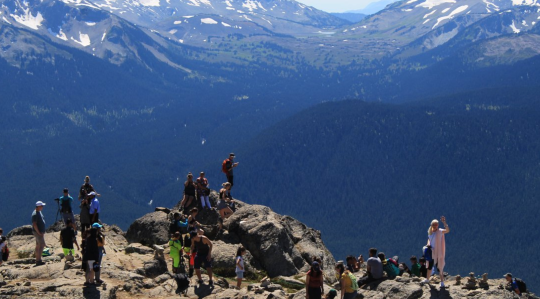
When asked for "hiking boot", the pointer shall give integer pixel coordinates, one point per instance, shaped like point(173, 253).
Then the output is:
point(210, 282)
point(40, 263)
point(425, 281)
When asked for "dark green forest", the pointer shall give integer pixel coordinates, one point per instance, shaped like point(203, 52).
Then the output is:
point(371, 174)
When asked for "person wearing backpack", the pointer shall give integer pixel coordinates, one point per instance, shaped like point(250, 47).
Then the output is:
point(390, 266)
point(437, 245)
point(515, 284)
point(314, 282)
point(347, 281)
point(65, 207)
point(175, 244)
point(228, 166)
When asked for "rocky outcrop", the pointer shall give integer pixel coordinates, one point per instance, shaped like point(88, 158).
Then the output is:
point(152, 228)
point(281, 244)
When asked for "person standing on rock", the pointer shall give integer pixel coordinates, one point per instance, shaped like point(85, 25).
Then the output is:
point(175, 245)
point(38, 229)
point(347, 282)
point(101, 250)
point(95, 207)
point(67, 238)
point(228, 168)
point(314, 282)
point(189, 192)
point(203, 191)
point(438, 247)
point(240, 269)
point(91, 255)
point(67, 212)
point(223, 204)
point(203, 257)
point(85, 189)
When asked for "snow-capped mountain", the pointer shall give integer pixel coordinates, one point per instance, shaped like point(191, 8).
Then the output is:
point(408, 20)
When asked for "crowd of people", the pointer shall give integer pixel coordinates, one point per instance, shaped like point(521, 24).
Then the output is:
point(188, 240)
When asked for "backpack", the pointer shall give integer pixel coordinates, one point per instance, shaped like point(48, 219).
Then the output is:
point(354, 283)
point(46, 252)
point(224, 168)
point(5, 254)
point(182, 281)
point(522, 286)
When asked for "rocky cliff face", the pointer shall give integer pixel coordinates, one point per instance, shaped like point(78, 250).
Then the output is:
point(278, 247)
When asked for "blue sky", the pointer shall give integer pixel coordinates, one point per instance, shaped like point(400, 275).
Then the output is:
point(337, 5)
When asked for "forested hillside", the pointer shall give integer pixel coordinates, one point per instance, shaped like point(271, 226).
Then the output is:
point(372, 174)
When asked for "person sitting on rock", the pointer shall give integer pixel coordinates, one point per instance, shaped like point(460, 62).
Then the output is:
point(3, 247)
point(67, 238)
point(374, 268)
point(347, 282)
point(415, 266)
point(403, 268)
point(314, 282)
point(512, 284)
point(423, 268)
point(175, 244)
point(203, 257)
point(178, 224)
point(189, 192)
point(193, 225)
point(223, 204)
point(389, 266)
point(352, 264)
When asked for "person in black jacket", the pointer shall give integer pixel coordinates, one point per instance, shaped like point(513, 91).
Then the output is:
point(91, 254)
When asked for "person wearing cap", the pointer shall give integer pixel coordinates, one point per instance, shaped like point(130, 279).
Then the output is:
point(512, 283)
point(229, 166)
point(314, 282)
point(101, 250)
point(65, 206)
point(95, 208)
point(38, 229)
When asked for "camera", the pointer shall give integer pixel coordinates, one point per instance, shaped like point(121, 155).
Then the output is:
point(57, 199)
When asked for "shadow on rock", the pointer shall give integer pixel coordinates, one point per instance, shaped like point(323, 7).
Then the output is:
point(91, 292)
point(203, 290)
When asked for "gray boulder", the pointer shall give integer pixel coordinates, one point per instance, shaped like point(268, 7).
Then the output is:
point(24, 230)
point(150, 229)
point(224, 263)
point(396, 290)
point(153, 268)
point(281, 244)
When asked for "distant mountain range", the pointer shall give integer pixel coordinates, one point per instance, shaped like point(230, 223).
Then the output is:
point(373, 7)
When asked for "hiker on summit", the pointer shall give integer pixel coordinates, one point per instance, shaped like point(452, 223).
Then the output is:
point(193, 224)
point(438, 248)
point(352, 264)
point(203, 257)
point(374, 268)
point(223, 204)
point(101, 251)
point(347, 282)
point(415, 266)
point(175, 244)
point(314, 282)
point(189, 192)
point(228, 168)
point(91, 255)
point(67, 212)
point(203, 191)
point(240, 268)
point(515, 285)
point(67, 238)
point(390, 266)
point(85, 189)
point(38, 229)
point(3, 248)
point(95, 207)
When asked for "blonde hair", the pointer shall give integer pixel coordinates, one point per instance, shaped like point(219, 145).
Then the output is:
point(430, 229)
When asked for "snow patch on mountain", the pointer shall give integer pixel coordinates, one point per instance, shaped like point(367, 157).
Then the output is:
point(429, 4)
point(526, 2)
point(28, 20)
point(514, 28)
point(149, 2)
point(225, 24)
point(208, 21)
point(430, 13)
point(84, 39)
point(451, 15)
point(491, 5)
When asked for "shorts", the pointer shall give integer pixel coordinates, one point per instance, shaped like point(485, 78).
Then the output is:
point(40, 239)
point(201, 261)
point(430, 264)
point(350, 295)
point(91, 265)
point(67, 251)
point(66, 216)
point(222, 204)
point(239, 274)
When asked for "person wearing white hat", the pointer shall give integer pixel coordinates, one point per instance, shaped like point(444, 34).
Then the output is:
point(38, 229)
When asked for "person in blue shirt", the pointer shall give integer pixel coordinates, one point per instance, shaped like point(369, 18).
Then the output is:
point(513, 283)
point(66, 210)
point(95, 208)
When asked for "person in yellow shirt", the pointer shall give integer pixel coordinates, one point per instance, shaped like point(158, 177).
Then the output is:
point(347, 281)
